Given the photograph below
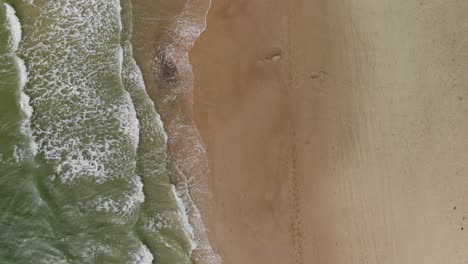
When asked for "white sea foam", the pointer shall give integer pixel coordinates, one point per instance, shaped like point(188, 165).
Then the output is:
point(184, 218)
point(50, 259)
point(129, 124)
point(119, 11)
point(120, 56)
point(17, 154)
point(25, 107)
point(69, 62)
point(163, 239)
point(15, 27)
point(23, 72)
point(160, 123)
point(142, 256)
point(92, 249)
point(122, 204)
point(158, 222)
point(24, 99)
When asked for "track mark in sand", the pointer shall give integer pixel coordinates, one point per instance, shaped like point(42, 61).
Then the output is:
point(296, 216)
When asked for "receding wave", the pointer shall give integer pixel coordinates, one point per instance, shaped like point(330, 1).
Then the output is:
point(173, 76)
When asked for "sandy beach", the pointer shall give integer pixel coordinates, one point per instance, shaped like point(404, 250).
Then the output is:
point(335, 130)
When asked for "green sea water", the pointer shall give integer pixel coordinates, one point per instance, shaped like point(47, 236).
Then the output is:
point(83, 152)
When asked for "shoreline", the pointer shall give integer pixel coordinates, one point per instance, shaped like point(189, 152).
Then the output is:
point(162, 53)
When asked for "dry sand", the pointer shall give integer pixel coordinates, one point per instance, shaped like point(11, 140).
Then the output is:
point(336, 130)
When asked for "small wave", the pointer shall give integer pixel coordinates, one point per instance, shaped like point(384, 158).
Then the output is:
point(26, 108)
point(23, 72)
point(142, 256)
point(15, 27)
point(23, 79)
point(137, 77)
point(160, 123)
point(120, 58)
point(26, 125)
point(188, 228)
point(129, 123)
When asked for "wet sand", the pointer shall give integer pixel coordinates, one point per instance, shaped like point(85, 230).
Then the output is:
point(335, 130)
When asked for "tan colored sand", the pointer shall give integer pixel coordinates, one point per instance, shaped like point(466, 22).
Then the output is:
point(337, 131)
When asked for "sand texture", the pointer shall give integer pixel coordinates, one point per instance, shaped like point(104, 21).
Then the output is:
point(336, 130)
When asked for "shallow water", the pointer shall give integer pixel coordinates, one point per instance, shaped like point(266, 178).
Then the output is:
point(84, 160)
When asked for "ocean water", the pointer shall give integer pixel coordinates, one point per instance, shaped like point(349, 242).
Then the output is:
point(84, 174)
